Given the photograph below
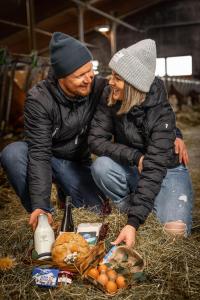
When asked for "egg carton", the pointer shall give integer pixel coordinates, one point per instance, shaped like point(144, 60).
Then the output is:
point(122, 260)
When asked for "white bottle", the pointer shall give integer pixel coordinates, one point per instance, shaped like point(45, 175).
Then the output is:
point(43, 237)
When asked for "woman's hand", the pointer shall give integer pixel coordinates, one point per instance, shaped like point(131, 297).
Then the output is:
point(127, 235)
point(34, 217)
point(181, 150)
point(140, 165)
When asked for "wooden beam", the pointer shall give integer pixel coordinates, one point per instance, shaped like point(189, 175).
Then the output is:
point(30, 14)
point(176, 24)
point(109, 17)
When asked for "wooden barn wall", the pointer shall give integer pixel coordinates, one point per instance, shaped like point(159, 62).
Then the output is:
point(171, 41)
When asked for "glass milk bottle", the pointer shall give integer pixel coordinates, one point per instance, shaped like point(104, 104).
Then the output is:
point(43, 237)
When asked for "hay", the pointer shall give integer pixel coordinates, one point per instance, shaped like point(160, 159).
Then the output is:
point(188, 117)
point(172, 266)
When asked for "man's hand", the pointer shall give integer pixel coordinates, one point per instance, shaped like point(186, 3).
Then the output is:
point(127, 235)
point(34, 217)
point(140, 165)
point(181, 150)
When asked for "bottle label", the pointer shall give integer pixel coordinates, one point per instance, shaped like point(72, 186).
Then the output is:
point(43, 242)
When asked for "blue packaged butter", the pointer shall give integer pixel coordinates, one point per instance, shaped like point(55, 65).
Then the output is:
point(45, 277)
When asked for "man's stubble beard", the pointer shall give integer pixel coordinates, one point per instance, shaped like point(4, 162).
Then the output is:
point(84, 94)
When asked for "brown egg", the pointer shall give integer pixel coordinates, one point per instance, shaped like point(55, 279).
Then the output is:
point(120, 281)
point(112, 275)
point(93, 273)
point(111, 287)
point(102, 268)
point(102, 278)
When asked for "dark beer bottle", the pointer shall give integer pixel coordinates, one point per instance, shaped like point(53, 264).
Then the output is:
point(67, 221)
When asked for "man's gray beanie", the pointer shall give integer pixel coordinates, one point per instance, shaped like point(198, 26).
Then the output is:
point(136, 64)
point(67, 54)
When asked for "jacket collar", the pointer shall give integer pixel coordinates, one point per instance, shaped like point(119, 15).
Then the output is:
point(156, 95)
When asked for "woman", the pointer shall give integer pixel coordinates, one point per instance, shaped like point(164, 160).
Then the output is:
point(133, 133)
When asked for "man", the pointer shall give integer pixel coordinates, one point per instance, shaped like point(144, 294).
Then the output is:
point(58, 112)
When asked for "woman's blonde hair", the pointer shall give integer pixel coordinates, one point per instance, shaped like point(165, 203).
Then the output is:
point(131, 97)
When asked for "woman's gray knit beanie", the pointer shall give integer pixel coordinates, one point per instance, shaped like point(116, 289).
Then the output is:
point(136, 64)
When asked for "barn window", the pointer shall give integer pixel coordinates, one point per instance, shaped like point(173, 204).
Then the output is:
point(95, 66)
point(160, 67)
point(174, 66)
point(179, 65)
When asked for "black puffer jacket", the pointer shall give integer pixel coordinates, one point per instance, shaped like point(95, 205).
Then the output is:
point(55, 126)
point(149, 130)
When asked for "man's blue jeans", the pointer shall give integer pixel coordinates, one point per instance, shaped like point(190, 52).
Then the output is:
point(74, 179)
point(174, 201)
